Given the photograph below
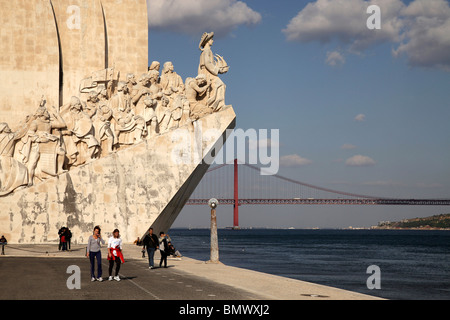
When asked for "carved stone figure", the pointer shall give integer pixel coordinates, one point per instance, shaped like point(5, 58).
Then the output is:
point(211, 66)
point(13, 174)
point(163, 114)
point(196, 93)
point(129, 128)
point(103, 94)
point(185, 116)
point(92, 103)
point(156, 94)
point(79, 134)
point(150, 115)
point(154, 66)
point(171, 82)
point(140, 90)
point(155, 87)
point(46, 152)
point(176, 112)
point(103, 129)
point(131, 82)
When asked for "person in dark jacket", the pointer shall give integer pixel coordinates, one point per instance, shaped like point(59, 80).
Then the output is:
point(63, 240)
point(151, 243)
point(68, 238)
point(163, 249)
point(3, 242)
point(60, 232)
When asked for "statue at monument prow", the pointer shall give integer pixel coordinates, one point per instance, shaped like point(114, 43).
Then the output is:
point(211, 66)
point(108, 116)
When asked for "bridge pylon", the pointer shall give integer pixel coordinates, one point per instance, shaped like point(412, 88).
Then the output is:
point(236, 197)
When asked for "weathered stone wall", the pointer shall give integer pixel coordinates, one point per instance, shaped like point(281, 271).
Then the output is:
point(127, 35)
point(137, 187)
point(29, 58)
point(82, 42)
point(48, 46)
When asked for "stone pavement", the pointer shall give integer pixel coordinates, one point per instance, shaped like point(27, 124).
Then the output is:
point(180, 281)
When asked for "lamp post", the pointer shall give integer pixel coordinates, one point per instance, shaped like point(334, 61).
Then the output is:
point(214, 257)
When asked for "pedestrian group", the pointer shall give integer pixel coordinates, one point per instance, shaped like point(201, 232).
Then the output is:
point(150, 242)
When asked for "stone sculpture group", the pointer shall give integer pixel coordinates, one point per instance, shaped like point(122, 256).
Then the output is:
point(107, 117)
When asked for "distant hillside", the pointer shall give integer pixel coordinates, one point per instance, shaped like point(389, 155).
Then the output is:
point(440, 221)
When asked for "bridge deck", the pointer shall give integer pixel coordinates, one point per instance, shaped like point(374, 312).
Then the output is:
point(379, 201)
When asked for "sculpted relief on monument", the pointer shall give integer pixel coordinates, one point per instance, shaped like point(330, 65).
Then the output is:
point(113, 109)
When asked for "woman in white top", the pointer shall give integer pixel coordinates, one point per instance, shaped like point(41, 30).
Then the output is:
point(115, 254)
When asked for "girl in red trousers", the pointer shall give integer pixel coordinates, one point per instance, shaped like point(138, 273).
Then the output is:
point(115, 254)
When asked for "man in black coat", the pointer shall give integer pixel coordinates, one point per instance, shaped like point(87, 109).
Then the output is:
point(3, 242)
point(151, 243)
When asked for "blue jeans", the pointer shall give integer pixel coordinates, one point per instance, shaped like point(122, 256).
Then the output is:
point(92, 256)
point(151, 254)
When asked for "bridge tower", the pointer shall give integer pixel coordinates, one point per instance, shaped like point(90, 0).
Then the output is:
point(236, 196)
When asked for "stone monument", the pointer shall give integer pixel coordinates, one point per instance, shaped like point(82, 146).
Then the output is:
point(86, 142)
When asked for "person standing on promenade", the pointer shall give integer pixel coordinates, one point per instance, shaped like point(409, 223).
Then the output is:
point(60, 232)
point(63, 240)
point(68, 238)
point(93, 252)
point(115, 254)
point(151, 243)
point(163, 249)
point(3, 242)
point(138, 242)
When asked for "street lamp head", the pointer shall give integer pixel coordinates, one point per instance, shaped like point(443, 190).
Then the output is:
point(213, 203)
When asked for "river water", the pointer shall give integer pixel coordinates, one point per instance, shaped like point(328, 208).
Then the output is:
point(413, 264)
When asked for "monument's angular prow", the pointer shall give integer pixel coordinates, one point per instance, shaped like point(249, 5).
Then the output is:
point(168, 215)
point(145, 185)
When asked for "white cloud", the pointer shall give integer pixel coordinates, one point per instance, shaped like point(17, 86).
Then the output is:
point(197, 16)
point(360, 117)
point(334, 58)
point(420, 30)
point(360, 161)
point(344, 20)
point(294, 160)
point(427, 36)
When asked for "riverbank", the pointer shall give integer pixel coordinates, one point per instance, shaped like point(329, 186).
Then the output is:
point(436, 222)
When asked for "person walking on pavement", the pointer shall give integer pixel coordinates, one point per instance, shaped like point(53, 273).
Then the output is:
point(115, 254)
point(93, 252)
point(163, 249)
point(151, 243)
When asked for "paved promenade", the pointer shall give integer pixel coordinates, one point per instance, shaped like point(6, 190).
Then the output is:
point(40, 272)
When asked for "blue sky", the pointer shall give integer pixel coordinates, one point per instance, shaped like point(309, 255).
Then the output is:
point(334, 89)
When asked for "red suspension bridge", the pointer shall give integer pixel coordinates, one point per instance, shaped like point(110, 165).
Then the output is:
point(222, 182)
